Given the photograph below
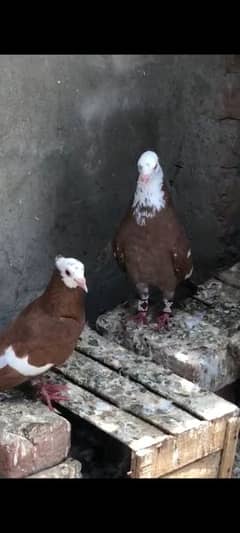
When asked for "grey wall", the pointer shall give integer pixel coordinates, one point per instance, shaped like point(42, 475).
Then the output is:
point(71, 130)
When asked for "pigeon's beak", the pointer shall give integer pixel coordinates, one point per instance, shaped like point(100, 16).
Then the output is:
point(144, 178)
point(82, 284)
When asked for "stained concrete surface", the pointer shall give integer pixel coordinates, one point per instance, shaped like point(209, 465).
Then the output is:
point(72, 128)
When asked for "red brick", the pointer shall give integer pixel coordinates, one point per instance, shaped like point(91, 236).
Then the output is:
point(32, 438)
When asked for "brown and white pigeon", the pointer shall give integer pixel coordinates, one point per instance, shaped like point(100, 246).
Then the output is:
point(45, 333)
point(151, 245)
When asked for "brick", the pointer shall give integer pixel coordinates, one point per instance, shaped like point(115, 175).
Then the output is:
point(69, 469)
point(32, 438)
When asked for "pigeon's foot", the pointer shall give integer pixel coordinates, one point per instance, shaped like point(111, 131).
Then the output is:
point(49, 392)
point(140, 318)
point(163, 321)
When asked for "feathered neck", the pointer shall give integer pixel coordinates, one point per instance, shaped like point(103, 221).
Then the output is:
point(149, 198)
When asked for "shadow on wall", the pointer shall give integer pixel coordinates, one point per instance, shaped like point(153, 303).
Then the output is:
point(93, 194)
point(96, 188)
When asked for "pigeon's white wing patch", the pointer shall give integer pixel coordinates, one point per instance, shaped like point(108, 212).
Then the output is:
point(21, 364)
point(189, 274)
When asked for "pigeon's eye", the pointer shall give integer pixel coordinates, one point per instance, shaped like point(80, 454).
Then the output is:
point(67, 272)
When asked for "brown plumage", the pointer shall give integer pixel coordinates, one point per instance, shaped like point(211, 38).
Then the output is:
point(150, 244)
point(46, 331)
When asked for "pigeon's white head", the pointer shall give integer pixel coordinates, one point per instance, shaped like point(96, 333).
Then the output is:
point(148, 165)
point(72, 272)
point(149, 197)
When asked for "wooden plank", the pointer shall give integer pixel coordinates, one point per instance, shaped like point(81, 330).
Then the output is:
point(127, 395)
point(188, 447)
point(189, 396)
point(195, 347)
point(127, 428)
point(229, 450)
point(204, 468)
point(155, 452)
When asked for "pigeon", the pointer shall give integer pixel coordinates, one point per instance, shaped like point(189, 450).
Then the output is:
point(45, 333)
point(150, 244)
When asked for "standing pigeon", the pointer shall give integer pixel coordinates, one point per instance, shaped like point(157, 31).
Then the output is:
point(151, 245)
point(45, 333)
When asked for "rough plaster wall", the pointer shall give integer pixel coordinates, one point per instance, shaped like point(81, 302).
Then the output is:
point(72, 128)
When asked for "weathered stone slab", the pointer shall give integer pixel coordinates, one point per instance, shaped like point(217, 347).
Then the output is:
point(197, 346)
point(32, 438)
point(187, 395)
point(220, 295)
point(231, 276)
point(69, 469)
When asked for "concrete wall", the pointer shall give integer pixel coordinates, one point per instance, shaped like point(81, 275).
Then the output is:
point(71, 130)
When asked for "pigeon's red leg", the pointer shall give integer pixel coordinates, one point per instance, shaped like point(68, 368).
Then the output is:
point(163, 320)
point(49, 392)
point(140, 317)
point(142, 306)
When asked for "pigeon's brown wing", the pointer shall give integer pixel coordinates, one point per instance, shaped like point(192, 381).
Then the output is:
point(182, 257)
point(118, 243)
point(118, 253)
point(44, 338)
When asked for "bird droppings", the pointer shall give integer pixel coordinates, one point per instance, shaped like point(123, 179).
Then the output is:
point(194, 321)
point(135, 407)
point(143, 442)
point(199, 346)
point(154, 377)
point(164, 406)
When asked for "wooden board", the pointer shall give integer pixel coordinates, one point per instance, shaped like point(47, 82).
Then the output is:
point(126, 428)
point(204, 468)
point(188, 448)
point(198, 345)
point(154, 452)
point(129, 396)
point(229, 450)
point(187, 395)
point(162, 435)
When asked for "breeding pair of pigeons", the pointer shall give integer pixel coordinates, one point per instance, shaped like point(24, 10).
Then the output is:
point(150, 246)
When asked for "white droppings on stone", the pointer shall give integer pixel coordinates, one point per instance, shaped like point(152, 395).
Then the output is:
point(143, 442)
point(192, 321)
